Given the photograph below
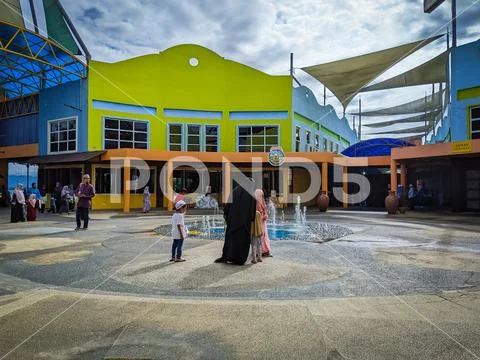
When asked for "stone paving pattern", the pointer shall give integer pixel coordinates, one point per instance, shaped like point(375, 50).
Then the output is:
point(402, 287)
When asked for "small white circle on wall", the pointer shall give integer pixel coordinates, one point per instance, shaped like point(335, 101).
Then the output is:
point(193, 61)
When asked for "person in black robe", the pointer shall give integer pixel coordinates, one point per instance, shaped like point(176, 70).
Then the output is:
point(238, 214)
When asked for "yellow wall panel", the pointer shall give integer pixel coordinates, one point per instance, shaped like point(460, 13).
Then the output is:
point(167, 80)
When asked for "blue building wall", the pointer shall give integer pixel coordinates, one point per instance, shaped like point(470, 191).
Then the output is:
point(19, 130)
point(443, 131)
point(306, 105)
point(465, 75)
point(63, 101)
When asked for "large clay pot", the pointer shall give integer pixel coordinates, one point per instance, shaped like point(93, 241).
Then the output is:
point(323, 201)
point(391, 203)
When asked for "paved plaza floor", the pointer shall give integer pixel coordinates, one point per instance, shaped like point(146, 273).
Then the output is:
point(398, 287)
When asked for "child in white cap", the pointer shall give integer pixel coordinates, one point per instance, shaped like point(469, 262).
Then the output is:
point(178, 230)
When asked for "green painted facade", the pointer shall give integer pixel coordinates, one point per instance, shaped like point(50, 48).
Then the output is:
point(168, 81)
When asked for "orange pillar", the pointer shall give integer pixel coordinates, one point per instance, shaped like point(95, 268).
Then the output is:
point(285, 185)
point(227, 180)
point(345, 187)
point(126, 185)
point(325, 177)
point(403, 175)
point(169, 185)
point(393, 176)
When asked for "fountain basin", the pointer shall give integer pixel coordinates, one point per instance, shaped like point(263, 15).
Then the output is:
point(309, 231)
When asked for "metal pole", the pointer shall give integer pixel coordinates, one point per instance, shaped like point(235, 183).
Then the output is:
point(425, 118)
point(441, 97)
point(353, 122)
point(454, 23)
point(448, 38)
point(359, 118)
point(324, 95)
point(448, 83)
point(291, 64)
point(28, 177)
point(433, 120)
point(74, 30)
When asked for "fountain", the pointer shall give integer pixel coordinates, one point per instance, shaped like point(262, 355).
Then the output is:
point(298, 212)
point(299, 228)
point(216, 210)
point(272, 212)
point(208, 223)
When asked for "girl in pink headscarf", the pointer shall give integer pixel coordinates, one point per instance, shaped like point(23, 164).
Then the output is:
point(32, 206)
point(262, 209)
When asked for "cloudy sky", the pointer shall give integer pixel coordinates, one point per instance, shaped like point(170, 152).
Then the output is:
point(263, 33)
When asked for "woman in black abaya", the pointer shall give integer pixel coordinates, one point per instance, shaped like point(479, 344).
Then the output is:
point(238, 214)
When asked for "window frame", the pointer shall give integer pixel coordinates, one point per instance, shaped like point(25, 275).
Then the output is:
point(205, 137)
point(264, 137)
point(106, 117)
point(472, 119)
point(200, 136)
point(316, 141)
point(153, 188)
point(298, 138)
point(308, 140)
point(182, 135)
point(113, 167)
point(49, 132)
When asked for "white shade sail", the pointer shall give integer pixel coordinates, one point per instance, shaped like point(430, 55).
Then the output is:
point(417, 136)
point(432, 72)
point(412, 119)
point(344, 78)
point(422, 105)
point(416, 129)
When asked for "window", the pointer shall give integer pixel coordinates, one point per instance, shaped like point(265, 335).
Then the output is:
point(308, 136)
point(121, 134)
point(475, 119)
point(108, 180)
point(325, 142)
point(62, 135)
point(211, 138)
point(135, 177)
point(257, 138)
point(297, 139)
point(175, 137)
point(194, 135)
point(330, 144)
point(336, 148)
point(317, 142)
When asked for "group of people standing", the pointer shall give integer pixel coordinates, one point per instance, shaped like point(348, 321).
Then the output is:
point(25, 205)
point(246, 218)
point(63, 199)
point(246, 227)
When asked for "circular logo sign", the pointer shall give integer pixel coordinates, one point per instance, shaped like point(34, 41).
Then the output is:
point(276, 156)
